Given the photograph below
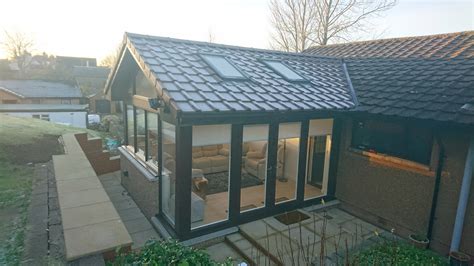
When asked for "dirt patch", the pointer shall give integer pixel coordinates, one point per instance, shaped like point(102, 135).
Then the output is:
point(39, 151)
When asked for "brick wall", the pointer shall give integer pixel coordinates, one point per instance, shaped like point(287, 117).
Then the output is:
point(393, 197)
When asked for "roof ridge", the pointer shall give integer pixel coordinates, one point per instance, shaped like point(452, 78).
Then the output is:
point(448, 34)
point(300, 54)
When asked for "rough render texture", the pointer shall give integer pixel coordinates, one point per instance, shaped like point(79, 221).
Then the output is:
point(401, 199)
point(143, 191)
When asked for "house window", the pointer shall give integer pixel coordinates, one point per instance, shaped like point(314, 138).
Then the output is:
point(44, 117)
point(9, 101)
point(152, 139)
point(168, 174)
point(283, 70)
point(130, 126)
point(408, 142)
point(65, 101)
point(254, 167)
point(140, 118)
point(210, 174)
point(223, 67)
point(287, 161)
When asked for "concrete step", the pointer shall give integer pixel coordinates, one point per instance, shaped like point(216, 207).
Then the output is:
point(250, 250)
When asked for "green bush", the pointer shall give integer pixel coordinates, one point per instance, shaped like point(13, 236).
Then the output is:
point(397, 253)
point(168, 252)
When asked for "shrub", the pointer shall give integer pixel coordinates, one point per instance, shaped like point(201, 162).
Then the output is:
point(397, 253)
point(167, 252)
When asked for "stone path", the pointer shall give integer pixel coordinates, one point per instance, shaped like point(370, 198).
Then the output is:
point(136, 223)
point(44, 239)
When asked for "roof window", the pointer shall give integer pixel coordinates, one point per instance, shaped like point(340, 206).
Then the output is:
point(283, 70)
point(223, 67)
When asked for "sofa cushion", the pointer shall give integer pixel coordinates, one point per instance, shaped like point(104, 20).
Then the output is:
point(197, 152)
point(219, 160)
point(202, 163)
point(210, 150)
point(224, 152)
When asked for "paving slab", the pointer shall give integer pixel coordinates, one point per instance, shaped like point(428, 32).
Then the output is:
point(114, 189)
point(81, 198)
point(137, 225)
point(130, 214)
point(140, 238)
point(124, 204)
point(89, 214)
point(95, 238)
point(301, 235)
point(257, 229)
point(221, 251)
point(78, 184)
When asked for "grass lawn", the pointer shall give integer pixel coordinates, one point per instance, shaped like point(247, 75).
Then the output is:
point(22, 140)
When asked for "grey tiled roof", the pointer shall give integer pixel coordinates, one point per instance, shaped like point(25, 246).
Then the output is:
point(40, 89)
point(442, 46)
point(190, 85)
point(90, 72)
point(42, 107)
point(416, 88)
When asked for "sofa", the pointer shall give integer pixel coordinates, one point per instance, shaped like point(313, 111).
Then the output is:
point(255, 160)
point(211, 158)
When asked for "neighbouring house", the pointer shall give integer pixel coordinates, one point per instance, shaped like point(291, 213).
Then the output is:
point(65, 114)
point(69, 62)
point(219, 135)
point(53, 101)
point(403, 150)
point(91, 81)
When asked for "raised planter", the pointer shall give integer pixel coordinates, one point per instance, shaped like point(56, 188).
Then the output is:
point(459, 259)
point(419, 242)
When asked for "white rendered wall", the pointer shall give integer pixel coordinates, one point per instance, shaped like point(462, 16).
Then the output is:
point(75, 119)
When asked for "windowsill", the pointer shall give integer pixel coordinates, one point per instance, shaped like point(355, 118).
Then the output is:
point(142, 166)
point(395, 162)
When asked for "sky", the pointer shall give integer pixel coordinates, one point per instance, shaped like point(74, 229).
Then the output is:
point(94, 28)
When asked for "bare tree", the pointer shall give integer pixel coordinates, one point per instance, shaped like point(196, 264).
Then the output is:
point(18, 46)
point(110, 60)
point(211, 36)
point(299, 24)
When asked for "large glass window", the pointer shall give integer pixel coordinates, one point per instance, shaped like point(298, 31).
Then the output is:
point(210, 174)
point(319, 153)
point(141, 139)
point(168, 170)
point(396, 139)
point(130, 126)
point(287, 161)
point(152, 137)
point(254, 167)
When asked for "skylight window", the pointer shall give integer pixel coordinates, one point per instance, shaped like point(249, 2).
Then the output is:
point(283, 70)
point(223, 67)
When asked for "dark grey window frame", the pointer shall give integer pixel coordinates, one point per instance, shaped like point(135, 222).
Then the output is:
point(182, 227)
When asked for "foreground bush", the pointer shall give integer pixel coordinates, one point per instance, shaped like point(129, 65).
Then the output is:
point(168, 252)
point(397, 253)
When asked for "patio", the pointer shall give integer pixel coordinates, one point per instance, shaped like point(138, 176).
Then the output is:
point(270, 242)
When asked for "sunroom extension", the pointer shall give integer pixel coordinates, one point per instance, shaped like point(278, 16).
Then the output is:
point(223, 135)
